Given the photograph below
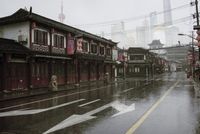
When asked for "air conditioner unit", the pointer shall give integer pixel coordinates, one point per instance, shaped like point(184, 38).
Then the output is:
point(22, 39)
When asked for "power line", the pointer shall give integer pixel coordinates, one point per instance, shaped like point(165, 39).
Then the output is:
point(132, 18)
point(176, 21)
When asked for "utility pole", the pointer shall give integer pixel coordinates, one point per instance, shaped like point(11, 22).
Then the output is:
point(197, 27)
point(197, 12)
point(193, 55)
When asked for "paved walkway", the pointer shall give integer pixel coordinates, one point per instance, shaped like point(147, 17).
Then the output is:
point(43, 91)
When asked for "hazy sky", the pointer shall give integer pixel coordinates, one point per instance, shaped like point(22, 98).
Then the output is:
point(79, 12)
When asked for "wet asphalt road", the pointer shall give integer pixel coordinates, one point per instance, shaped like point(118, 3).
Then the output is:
point(164, 105)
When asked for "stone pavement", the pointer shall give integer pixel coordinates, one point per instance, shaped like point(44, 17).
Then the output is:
point(11, 95)
point(44, 91)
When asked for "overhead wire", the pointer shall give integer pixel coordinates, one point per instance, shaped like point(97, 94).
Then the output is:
point(131, 19)
point(176, 21)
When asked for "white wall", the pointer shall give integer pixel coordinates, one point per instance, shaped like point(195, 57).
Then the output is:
point(12, 31)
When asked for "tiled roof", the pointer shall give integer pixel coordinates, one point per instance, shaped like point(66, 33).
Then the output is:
point(23, 15)
point(156, 42)
point(20, 15)
point(7, 45)
point(137, 50)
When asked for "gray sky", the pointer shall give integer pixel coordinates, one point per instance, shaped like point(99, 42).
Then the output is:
point(79, 12)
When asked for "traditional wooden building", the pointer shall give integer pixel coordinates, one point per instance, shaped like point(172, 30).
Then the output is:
point(140, 63)
point(71, 54)
point(122, 63)
point(13, 65)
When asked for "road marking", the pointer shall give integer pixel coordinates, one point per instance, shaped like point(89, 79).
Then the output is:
point(143, 118)
point(88, 103)
point(76, 119)
point(42, 100)
point(122, 108)
point(35, 111)
point(128, 90)
point(61, 96)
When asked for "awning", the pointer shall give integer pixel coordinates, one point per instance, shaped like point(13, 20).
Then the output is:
point(53, 57)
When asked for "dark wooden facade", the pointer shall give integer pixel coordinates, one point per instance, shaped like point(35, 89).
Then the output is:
point(139, 63)
point(53, 48)
point(142, 63)
point(13, 65)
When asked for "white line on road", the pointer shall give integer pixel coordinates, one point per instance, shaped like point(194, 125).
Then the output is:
point(42, 100)
point(35, 111)
point(147, 113)
point(122, 108)
point(61, 96)
point(76, 119)
point(128, 89)
point(88, 103)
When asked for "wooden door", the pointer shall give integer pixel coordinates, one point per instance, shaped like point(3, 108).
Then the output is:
point(16, 77)
point(71, 72)
point(58, 69)
point(39, 75)
point(1, 74)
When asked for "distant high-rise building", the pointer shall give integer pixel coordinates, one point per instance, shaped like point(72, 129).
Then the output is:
point(167, 12)
point(153, 23)
point(171, 35)
point(143, 34)
point(170, 31)
point(153, 19)
point(118, 34)
point(61, 16)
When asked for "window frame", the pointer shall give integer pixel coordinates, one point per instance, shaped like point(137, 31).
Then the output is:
point(40, 37)
point(108, 51)
point(100, 48)
point(58, 40)
point(85, 46)
point(94, 47)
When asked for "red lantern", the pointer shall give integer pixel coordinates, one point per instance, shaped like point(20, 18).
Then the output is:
point(33, 25)
point(198, 38)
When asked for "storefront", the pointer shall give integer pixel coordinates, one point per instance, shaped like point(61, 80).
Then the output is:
point(39, 72)
point(16, 71)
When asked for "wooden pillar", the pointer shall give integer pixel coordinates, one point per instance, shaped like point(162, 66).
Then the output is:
point(1, 65)
point(29, 72)
point(5, 65)
point(50, 64)
point(97, 71)
point(77, 71)
point(66, 73)
point(89, 71)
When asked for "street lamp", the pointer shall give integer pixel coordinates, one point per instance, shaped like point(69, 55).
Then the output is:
point(193, 56)
point(181, 34)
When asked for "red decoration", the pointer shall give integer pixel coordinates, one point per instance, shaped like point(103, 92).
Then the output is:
point(198, 38)
point(70, 46)
point(33, 25)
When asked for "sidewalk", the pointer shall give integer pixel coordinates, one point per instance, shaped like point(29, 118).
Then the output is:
point(45, 91)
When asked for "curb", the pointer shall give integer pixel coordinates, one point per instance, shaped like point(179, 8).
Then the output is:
point(59, 91)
